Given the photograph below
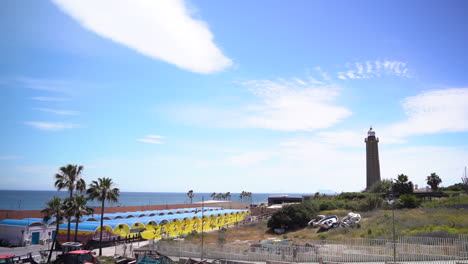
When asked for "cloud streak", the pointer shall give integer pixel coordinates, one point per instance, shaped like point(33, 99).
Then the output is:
point(286, 106)
point(282, 105)
point(57, 112)
point(160, 29)
point(431, 112)
point(152, 139)
point(50, 126)
point(372, 69)
point(49, 99)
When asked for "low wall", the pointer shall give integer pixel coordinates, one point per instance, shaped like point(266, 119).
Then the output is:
point(20, 214)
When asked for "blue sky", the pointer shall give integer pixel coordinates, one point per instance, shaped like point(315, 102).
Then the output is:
point(261, 96)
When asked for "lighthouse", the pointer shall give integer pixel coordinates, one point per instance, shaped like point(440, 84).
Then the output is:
point(372, 158)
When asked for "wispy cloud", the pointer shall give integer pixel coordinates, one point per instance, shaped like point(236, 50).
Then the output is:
point(372, 69)
point(162, 29)
point(155, 136)
point(50, 99)
point(49, 126)
point(285, 106)
point(243, 159)
point(9, 157)
point(57, 112)
point(68, 87)
point(430, 112)
point(281, 105)
point(152, 139)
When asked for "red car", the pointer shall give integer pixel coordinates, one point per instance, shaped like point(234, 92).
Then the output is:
point(6, 259)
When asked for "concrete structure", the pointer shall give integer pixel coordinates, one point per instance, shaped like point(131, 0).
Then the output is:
point(282, 199)
point(372, 158)
point(27, 231)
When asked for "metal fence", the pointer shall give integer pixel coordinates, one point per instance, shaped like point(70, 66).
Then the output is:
point(408, 250)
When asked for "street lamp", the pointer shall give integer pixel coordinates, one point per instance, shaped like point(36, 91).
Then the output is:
point(391, 200)
point(203, 209)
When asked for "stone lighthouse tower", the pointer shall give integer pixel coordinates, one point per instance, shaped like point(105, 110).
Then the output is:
point(372, 158)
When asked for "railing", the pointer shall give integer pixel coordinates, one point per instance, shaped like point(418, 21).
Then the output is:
point(408, 250)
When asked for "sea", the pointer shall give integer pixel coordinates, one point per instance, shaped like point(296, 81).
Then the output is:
point(35, 200)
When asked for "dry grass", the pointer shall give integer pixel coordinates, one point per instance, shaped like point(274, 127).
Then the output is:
point(440, 222)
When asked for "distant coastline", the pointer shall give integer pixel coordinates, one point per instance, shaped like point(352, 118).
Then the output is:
point(34, 200)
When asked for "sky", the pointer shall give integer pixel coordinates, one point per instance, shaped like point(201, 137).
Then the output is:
point(266, 96)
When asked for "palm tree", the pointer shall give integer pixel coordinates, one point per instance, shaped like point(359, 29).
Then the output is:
point(228, 195)
point(103, 190)
point(69, 178)
point(213, 195)
point(190, 195)
point(242, 195)
point(433, 180)
point(78, 208)
point(54, 209)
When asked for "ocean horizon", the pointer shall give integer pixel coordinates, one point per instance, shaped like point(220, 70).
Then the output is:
point(34, 200)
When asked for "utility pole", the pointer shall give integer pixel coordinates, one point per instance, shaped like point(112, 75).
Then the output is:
point(393, 224)
point(203, 209)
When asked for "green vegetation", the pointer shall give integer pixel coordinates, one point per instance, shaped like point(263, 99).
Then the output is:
point(433, 180)
point(54, 208)
point(190, 195)
point(402, 186)
point(103, 190)
point(69, 178)
point(292, 217)
point(77, 207)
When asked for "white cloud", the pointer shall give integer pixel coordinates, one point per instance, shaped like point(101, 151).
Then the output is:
point(372, 69)
point(155, 136)
point(437, 111)
point(162, 29)
point(50, 99)
point(240, 160)
point(68, 87)
point(276, 105)
point(148, 140)
point(52, 126)
point(152, 139)
point(285, 106)
point(11, 157)
point(250, 158)
point(57, 112)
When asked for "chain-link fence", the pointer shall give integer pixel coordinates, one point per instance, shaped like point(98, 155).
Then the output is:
point(408, 250)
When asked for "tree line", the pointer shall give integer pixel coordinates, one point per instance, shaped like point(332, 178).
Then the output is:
point(75, 205)
point(243, 196)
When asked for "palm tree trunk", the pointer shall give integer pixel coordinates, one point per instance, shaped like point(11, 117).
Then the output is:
point(53, 240)
point(69, 220)
point(76, 227)
point(102, 224)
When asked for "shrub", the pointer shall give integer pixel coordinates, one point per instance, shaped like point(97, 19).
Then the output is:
point(351, 196)
point(291, 217)
point(408, 201)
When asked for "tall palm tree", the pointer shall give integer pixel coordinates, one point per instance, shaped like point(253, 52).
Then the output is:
point(54, 208)
point(228, 195)
point(433, 180)
point(213, 195)
point(103, 190)
point(77, 206)
point(242, 195)
point(69, 178)
point(190, 195)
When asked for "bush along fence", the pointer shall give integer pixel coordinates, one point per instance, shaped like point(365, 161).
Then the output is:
point(408, 250)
